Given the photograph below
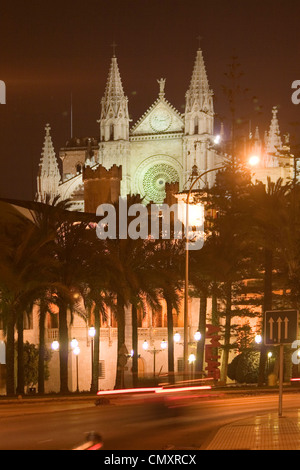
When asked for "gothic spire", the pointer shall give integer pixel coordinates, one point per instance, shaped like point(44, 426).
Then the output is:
point(114, 88)
point(273, 139)
point(114, 120)
point(199, 101)
point(48, 174)
point(199, 91)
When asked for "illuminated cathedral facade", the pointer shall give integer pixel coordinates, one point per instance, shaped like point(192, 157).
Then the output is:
point(163, 146)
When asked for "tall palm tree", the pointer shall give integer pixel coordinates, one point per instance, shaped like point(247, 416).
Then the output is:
point(72, 249)
point(136, 278)
point(168, 269)
point(131, 284)
point(47, 218)
point(267, 209)
point(21, 275)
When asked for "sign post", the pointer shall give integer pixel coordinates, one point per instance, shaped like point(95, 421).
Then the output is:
point(281, 327)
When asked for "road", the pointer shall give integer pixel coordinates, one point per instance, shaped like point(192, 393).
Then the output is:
point(138, 424)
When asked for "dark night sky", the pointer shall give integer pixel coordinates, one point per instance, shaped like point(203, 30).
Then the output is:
point(50, 50)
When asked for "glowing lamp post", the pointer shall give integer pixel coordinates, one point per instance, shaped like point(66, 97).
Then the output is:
point(92, 333)
point(258, 339)
point(76, 352)
point(155, 351)
point(177, 337)
point(197, 336)
point(252, 161)
point(192, 360)
point(74, 343)
point(55, 345)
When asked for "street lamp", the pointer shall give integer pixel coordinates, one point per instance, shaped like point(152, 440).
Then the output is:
point(186, 287)
point(154, 351)
point(252, 162)
point(177, 337)
point(74, 343)
point(197, 335)
point(258, 339)
point(92, 333)
point(55, 345)
point(192, 359)
point(76, 352)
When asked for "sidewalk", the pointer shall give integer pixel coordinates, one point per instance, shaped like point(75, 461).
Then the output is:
point(264, 432)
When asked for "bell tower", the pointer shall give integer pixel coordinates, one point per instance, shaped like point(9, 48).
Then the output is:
point(199, 123)
point(114, 147)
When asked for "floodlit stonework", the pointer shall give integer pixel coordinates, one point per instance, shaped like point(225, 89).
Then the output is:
point(162, 147)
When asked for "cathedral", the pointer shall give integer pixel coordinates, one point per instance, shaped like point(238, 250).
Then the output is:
point(163, 146)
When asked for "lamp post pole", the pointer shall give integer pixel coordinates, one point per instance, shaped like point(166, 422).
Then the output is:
point(92, 333)
point(76, 352)
point(253, 161)
point(154, 351)
point(186, 287)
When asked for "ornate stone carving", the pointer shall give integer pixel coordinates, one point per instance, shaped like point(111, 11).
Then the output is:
point(154, 181)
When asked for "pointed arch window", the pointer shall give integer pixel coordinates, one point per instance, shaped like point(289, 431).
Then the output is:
point(111, 132)
point(196, 125)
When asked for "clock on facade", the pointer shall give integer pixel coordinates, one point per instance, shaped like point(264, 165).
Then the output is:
point(160, 120)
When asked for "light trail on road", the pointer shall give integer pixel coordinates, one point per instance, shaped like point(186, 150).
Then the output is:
point(140, 425)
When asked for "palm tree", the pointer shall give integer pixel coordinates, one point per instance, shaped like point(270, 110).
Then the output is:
point(267, 209)
point(224, 257)
point(21, 275)
point(136, 279)
point(131, 284)
point(48, 218)
point(168, 268)
point(72, 250)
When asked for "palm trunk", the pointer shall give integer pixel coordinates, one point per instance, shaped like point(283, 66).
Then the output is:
point(121, 342)
point(41, 362)
point(10, 354)
point(267, 305)
point(214, 305)
point(135, 356)
point(63, 348)
point(96, 352)
point(225, 357)
point(202, 328)
point(171, 369)
point(20, 355)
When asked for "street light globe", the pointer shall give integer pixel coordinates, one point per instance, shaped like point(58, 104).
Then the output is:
point(270, 354)
point(258, 339)
point(145, 345)
point(217, 139)
point(76, 351)
point(55, 345)
point(197, 336)
point(192, 358)
point(177, 337)
point(163, 344)
point(254, 160)
point(74, 343)
point(92, 331)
